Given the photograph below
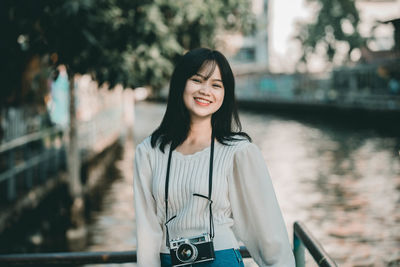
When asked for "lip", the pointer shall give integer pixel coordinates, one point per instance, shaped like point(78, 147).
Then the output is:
point(196, 99)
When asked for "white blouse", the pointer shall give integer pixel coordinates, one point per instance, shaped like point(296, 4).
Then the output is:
point(244, 203)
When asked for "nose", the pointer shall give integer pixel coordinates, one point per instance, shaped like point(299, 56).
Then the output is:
point(205, 89)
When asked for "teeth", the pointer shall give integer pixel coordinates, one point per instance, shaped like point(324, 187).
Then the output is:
point(203, 100)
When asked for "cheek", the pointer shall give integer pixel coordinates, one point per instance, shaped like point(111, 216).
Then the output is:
point(219, 99)
point(186, 99)
point(187, 94)
point(221, 96)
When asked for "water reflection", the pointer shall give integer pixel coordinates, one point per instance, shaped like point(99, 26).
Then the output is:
point(342, 182)
point(112, 224)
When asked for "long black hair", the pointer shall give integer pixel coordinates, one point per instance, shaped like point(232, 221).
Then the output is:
point(175, 126)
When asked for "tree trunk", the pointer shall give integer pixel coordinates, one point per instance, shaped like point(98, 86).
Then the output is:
point(74, 161)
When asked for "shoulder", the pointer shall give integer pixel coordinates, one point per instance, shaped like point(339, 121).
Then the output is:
point(249, 149)
point(249, 159)
point(239, 147)
point(238, 143)
point(144, 145)
point(145, 148)
point(243, 149)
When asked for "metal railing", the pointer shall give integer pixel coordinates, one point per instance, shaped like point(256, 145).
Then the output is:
point(41, 152)
point(68, 258)
point(303, 239)
point(29, 160)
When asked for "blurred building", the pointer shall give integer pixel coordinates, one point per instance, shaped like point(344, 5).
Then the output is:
point(370, 82)
point(390, 52)
point(249, 53)
point(376, 72)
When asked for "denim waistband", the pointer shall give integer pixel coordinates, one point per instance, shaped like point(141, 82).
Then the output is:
point(226, 257)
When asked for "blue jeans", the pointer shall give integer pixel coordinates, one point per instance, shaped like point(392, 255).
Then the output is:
point(223, 258)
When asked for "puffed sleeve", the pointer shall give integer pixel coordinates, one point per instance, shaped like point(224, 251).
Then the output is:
point(148, 230)
point(258, 221)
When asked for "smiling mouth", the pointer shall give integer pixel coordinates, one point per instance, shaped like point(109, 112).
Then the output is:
point(202, 101)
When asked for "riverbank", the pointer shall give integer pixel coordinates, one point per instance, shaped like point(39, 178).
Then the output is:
point(381, 120)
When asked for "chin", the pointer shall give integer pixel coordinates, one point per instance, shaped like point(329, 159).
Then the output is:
point(202, 114)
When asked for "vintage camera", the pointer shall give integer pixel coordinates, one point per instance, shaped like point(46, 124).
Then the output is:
point(186, 251)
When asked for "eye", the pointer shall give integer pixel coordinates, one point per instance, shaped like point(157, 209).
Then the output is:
point(196, 80)
point(217, 85)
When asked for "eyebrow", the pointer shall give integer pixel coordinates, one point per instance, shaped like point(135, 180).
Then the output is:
point(205, 78)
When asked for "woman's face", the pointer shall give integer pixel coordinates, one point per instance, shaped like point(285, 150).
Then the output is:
point(202, 96)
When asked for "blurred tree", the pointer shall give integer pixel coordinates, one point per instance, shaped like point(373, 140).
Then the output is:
point(118, 41)
point(336, 24)
point(133, 43)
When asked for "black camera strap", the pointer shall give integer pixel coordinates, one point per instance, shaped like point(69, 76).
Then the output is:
point(212, 233)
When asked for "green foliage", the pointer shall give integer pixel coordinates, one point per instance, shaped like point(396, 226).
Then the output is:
point(118, 41)
point(336, 21)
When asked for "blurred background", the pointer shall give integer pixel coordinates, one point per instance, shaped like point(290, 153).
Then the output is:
point(83, 82)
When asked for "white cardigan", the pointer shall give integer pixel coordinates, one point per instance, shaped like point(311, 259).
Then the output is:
point(244, 202)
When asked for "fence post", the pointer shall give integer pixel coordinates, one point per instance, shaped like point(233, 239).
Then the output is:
point(74, 160)
point(28, 172)
point(44, 158)
point(11, 186)
point(298, 251)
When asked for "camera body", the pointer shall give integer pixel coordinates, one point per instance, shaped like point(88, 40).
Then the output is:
point(186, 251)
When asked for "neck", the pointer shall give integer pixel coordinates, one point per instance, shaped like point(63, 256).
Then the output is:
point(200, 131)
point(199, 137)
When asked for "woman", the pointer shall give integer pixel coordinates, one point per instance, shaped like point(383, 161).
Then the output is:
point(198, 179)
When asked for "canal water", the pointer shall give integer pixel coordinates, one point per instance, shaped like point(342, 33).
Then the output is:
point(341, 180)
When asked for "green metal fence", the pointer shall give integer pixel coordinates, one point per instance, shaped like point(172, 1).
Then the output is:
point(303, 239)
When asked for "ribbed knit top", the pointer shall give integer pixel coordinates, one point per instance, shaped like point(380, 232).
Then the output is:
point(244, 203)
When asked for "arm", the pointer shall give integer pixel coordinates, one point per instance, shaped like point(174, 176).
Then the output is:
point(148, 230)
point(255, 210)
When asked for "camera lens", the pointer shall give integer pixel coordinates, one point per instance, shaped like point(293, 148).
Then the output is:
point(186, 252)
